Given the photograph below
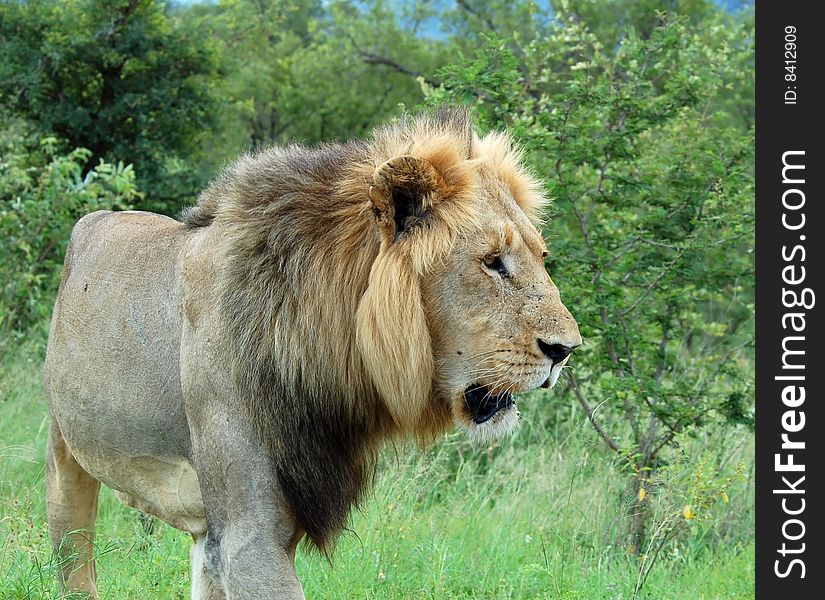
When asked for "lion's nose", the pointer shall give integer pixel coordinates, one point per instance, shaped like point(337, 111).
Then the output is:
point(555, 352)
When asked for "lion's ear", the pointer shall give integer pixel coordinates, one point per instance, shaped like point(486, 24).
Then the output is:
point(402, 192)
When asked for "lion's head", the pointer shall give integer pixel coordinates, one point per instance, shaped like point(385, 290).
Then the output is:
point(497, 321)
point(460, 313)
point(377, 288)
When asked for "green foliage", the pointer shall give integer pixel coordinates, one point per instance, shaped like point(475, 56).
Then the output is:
point(652, 235)
point(118, 78)
point(42, 194)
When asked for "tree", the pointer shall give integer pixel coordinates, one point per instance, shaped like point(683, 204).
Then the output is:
point(312, 71)
point(120, 78)
point(653, 221)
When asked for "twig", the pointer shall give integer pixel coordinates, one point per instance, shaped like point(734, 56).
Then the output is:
point(589, 411)
point(654, 283)
point(660, 368)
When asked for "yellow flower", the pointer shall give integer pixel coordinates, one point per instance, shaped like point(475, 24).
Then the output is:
point(642, 494)
point(725, 498)
point(688, 513)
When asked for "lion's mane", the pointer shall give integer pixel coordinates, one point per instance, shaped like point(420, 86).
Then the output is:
point(330, 344)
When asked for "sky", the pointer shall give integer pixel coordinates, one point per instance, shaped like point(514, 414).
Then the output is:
point(431, 28)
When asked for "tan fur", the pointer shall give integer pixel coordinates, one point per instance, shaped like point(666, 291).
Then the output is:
point(505, 162)
point(314, 303)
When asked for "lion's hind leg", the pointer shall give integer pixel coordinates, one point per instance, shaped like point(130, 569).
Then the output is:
point(71, 504)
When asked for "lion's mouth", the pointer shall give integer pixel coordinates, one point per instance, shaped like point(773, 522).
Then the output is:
point(484, 405)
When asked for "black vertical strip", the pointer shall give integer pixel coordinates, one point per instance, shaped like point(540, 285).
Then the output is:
point(790, 299)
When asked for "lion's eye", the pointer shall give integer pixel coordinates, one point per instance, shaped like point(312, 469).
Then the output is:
point(494, 263)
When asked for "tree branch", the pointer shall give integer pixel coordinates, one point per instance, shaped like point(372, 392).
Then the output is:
point(660, 368)
point(654, 283)
point(370, 58)
point(374, 59)
point(589, 411)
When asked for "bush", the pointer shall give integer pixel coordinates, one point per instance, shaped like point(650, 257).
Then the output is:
point(43, 193)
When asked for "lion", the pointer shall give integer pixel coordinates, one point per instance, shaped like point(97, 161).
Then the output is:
point(236, 372)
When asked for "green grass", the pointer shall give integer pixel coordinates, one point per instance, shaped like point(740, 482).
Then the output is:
point(534, 518)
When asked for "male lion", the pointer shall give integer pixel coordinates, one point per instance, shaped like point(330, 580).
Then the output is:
point(234, 373)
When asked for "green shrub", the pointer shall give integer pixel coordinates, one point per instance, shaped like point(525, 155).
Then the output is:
point(42, 194)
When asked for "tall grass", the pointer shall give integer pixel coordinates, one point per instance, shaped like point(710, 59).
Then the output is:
point(536, 516)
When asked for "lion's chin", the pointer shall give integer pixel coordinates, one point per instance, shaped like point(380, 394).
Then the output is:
point(500, 425)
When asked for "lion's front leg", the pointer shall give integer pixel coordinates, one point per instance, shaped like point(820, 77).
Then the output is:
point(203, 586)
point(245, 563)
point(249, 549)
